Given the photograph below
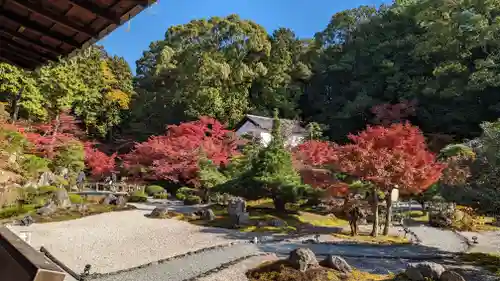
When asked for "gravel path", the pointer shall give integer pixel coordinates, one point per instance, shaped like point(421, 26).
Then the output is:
point(189, 267)
point(444, 240)
point(487, 242)
point(120, 240)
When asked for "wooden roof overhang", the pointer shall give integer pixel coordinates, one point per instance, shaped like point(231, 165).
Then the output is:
point(33, 32)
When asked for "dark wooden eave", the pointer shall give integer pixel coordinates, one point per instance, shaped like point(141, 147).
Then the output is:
point(33, 32)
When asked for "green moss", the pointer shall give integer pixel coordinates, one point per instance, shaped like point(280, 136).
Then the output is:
point(138, 196)
point(75, 198)
point(160, 196)
point(15, 211)
point(192, 200)
point(47, 189)
point(184, 192)
point(154, 189)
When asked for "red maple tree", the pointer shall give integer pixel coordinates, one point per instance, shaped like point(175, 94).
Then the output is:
point(47, 138)
point(175, 156)
point(310, 158)
point(389, 157)
point(98, 162)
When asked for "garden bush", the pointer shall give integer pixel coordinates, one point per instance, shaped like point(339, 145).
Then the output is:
point(75, 198)
point(160, 196)
point(138, 196)
point(192, 200)
point(154, 189)
point(184, 192)
point(47, 189)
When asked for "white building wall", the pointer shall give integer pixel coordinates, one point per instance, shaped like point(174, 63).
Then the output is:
point(265, 136)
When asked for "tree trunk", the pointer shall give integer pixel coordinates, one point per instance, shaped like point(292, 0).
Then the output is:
point(54, 136)
point(388, 213)
point(424, 209)
point(279, 204)
point(16, 105)
point(375, 212)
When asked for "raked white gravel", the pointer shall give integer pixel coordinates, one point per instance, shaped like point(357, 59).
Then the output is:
point(120, 240)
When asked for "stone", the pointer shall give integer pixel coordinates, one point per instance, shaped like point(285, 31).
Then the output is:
point(449, 275)
point(82, 208)
point(429, 270)
point(244, 218)
point(46, 179)
point(61, 198)
point(337, 263)
point(278, 223)
point(110, 199)
point(236, 205)
point(414, 275)
point(27, 221)
point(302, 259)
point(121, 201)
point(47, 210)
point(159, 212)
point(208, 215)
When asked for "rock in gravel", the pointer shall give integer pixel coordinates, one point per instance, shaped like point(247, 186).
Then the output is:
point(414, 275)
point(302, 259)
point(61, 198)
point(27, 221)
point(209, 215)
point(429, 270)
point(159, 212)
point(47, 210)
point(337, 263)
point(121, 201)
point(109, 199)
point(449, 275)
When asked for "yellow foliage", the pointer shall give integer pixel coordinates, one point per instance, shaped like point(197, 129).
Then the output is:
point(109, 77)
point(119, 97)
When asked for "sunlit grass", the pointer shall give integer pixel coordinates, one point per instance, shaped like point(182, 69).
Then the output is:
point(367, 239)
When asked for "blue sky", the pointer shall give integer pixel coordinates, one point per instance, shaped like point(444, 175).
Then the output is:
point(305, 17)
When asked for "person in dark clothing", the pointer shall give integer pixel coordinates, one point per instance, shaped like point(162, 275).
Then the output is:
point(354, 216)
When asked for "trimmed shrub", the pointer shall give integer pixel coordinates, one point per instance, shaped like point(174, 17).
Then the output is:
point(184, 192)
point(154, 189)
point(160, 196)
point(47, 189)
point(192, 200)
point(75, 198)
point(138, 196)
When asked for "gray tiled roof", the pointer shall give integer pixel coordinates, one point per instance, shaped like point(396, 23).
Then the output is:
point(266, 123)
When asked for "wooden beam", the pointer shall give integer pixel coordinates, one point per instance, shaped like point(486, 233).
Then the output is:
point(24, 49)
point(40, 44)
point(38, 8)
point(13, 55)
point(4, 58)
point(96, 10)
point(40, 29)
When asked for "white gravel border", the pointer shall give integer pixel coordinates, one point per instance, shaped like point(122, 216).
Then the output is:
point(120, 240)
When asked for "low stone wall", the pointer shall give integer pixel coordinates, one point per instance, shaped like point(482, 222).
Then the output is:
point(20, 262)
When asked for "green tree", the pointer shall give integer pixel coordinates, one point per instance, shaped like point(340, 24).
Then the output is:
point(270, 175)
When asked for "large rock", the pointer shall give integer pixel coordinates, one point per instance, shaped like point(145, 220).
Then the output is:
point(208, 215)
point(302, 259)
point(110, 199)
point(278, 223)
point(159, 212)
point(235, 208)
point(61, 198)
point(449, 275)
point(429, 270)
point(46, 179)
point(236, 205)
point(337, 263)
point(47, 210)
point(121, 201)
